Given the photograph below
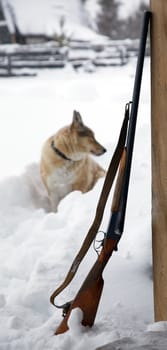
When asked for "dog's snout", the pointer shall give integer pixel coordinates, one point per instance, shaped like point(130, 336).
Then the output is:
point(103, 150)
point(100, 151)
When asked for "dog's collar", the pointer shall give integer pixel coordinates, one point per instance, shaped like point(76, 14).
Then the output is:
point(57, 151)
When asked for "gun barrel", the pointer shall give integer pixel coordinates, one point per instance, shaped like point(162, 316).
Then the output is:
point(132, 120)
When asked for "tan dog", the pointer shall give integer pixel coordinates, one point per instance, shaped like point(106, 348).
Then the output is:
point(66, 165)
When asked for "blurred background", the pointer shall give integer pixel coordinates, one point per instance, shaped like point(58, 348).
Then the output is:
point(49, 33)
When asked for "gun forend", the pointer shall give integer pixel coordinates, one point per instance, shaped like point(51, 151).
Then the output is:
point(118, 186)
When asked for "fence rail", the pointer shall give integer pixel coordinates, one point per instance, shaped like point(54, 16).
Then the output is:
point(15, 58)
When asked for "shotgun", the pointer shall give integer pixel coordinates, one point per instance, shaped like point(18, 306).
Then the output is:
point(88, 296)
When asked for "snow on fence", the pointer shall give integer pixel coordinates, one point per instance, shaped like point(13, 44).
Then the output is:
point(23, 59)
point(14, 59)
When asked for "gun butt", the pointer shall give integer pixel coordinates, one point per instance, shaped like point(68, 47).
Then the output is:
point(88, 297)
point(87, 300)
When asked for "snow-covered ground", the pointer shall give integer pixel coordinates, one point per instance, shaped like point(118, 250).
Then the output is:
point(37, 246)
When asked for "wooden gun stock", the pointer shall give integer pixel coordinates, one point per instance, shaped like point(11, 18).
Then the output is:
point(88, 297)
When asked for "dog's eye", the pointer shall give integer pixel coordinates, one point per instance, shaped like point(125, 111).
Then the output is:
point(82, 133)
point(85, 133)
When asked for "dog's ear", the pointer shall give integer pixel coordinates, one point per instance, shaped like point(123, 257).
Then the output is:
point(77, 119)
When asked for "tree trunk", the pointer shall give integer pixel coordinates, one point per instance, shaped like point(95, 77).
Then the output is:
point(159, 154)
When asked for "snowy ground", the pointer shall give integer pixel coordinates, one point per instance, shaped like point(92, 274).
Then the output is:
point(36, 246)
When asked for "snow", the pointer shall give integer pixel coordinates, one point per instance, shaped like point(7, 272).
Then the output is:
point(37, 246)
point(46, 16)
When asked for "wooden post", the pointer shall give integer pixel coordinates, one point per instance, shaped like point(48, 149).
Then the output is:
point(159, 154)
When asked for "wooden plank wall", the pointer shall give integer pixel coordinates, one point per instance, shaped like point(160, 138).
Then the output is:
point(159, 154)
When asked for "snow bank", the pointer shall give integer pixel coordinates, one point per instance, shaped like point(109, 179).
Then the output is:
point(38, 246)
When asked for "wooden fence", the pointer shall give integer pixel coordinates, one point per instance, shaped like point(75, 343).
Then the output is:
point(27, 59)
